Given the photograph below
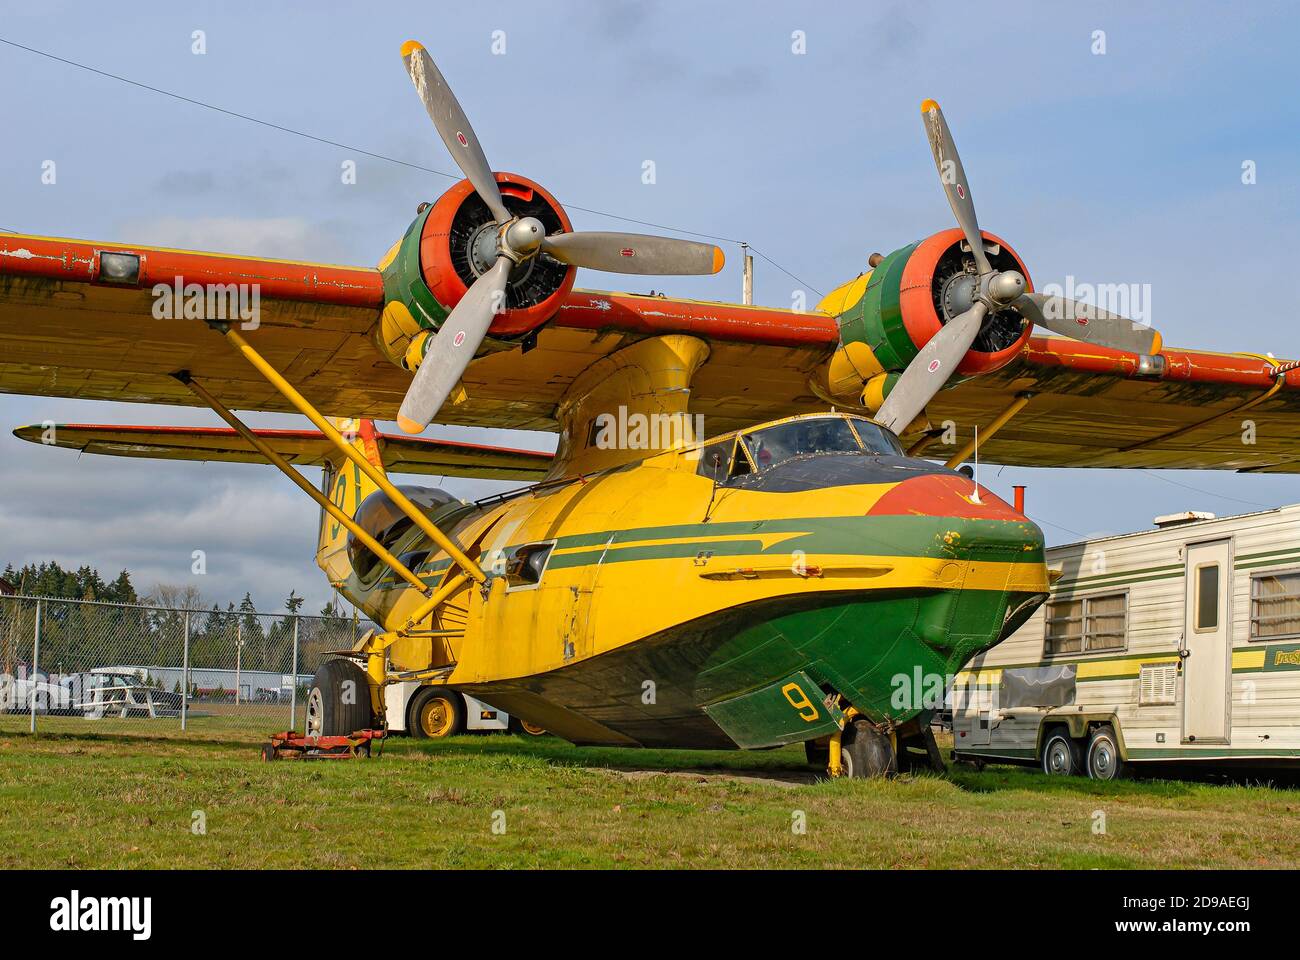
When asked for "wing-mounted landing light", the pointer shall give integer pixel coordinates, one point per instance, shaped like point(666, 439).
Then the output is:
point(990, 292)
point(514, 242)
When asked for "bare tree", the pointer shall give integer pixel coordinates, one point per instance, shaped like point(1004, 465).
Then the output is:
point(174, 597)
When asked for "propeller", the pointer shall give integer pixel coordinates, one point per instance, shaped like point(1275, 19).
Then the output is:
point(518, 239)
point(998, 289)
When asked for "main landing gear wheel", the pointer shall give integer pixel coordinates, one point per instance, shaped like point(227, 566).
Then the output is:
point(1104, 761)
point(866, 753)
point(339, 700)
point(436, 712)
point(1061, 754)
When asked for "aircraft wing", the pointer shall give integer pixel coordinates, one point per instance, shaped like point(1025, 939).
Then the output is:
point(70, 328)
point(67, 329)
point(1095, 407)
point(401, 454)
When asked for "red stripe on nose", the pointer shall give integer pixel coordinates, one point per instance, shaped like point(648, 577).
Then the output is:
point(943, 495)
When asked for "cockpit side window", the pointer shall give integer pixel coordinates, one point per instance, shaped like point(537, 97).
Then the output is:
point(723, 460)
point(876, 438)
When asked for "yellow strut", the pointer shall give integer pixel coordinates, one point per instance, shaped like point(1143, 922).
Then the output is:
point(365, 466)
point(322, 501)
point(834, 767)
point(446, 590)
point(1000, 421)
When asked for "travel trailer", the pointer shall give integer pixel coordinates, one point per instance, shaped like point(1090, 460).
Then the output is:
point(1179, 644)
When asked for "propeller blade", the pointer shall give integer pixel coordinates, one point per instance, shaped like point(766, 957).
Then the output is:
point(930, 370)
point(634, 253)
point(452, 348)
point(952, 175)
point(1083, 321)
point(453, 126)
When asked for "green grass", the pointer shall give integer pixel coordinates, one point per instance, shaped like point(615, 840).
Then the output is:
point(80, 800)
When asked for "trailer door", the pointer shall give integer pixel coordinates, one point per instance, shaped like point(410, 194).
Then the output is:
point(1207, 642)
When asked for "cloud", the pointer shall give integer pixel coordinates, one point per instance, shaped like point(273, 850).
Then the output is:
point(288, 238)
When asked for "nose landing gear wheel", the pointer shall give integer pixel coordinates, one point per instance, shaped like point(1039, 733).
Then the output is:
point(866, 753)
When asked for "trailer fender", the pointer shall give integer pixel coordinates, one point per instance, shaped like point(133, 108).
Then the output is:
point(1081, 726)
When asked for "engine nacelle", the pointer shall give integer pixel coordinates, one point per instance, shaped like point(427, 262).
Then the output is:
point(887, 315)
point(446, 248)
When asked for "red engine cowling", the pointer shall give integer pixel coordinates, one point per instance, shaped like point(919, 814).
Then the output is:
point(448, 245)
point(932, 286)
point(886, 317)
point(454, 251)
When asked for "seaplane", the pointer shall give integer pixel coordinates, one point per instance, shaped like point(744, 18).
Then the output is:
point(794, 561)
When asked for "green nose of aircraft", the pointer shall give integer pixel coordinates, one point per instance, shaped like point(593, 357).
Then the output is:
point(960, 569)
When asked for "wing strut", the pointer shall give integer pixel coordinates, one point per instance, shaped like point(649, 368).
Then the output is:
point(403, 503)
point(324, 502)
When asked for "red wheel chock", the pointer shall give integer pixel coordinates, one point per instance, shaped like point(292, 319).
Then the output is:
point(295, 746)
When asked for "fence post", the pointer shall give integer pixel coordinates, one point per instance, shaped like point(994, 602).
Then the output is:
point(293, 677)
point(185, 673)
point(36, 659)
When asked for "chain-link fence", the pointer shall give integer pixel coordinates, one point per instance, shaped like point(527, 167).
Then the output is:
point(83, 666)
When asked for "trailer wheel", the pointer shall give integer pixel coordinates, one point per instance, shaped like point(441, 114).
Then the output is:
point(1061, 754)
point(866, 753)
point(1104, 761)
point(436, 712)
point(339, 700)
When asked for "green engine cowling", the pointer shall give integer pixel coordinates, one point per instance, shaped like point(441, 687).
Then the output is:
point(446, 248)
point(886, 315)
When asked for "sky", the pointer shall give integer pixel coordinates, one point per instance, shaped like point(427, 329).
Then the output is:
point(1122, 166)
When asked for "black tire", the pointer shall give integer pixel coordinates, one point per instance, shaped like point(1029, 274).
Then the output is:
point(435, 712)
point(818, 753)
point(866, 753)
point(338, 702)
point(268, 752)
point(1104, 760)
point(1061, 754)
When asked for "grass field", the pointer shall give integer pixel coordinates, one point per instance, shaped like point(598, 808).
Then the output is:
point(79, 800)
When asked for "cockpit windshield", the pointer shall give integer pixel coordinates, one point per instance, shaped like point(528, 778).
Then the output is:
point(819, 435)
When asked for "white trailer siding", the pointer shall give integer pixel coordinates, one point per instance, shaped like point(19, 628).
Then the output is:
point(1259, 686)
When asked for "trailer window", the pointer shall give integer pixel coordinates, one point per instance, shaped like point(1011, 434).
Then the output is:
point(1087, 624)
point(1207, 597)
point(1274, 605)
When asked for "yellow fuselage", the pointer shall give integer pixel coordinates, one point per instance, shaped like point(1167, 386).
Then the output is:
point(663, 591)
